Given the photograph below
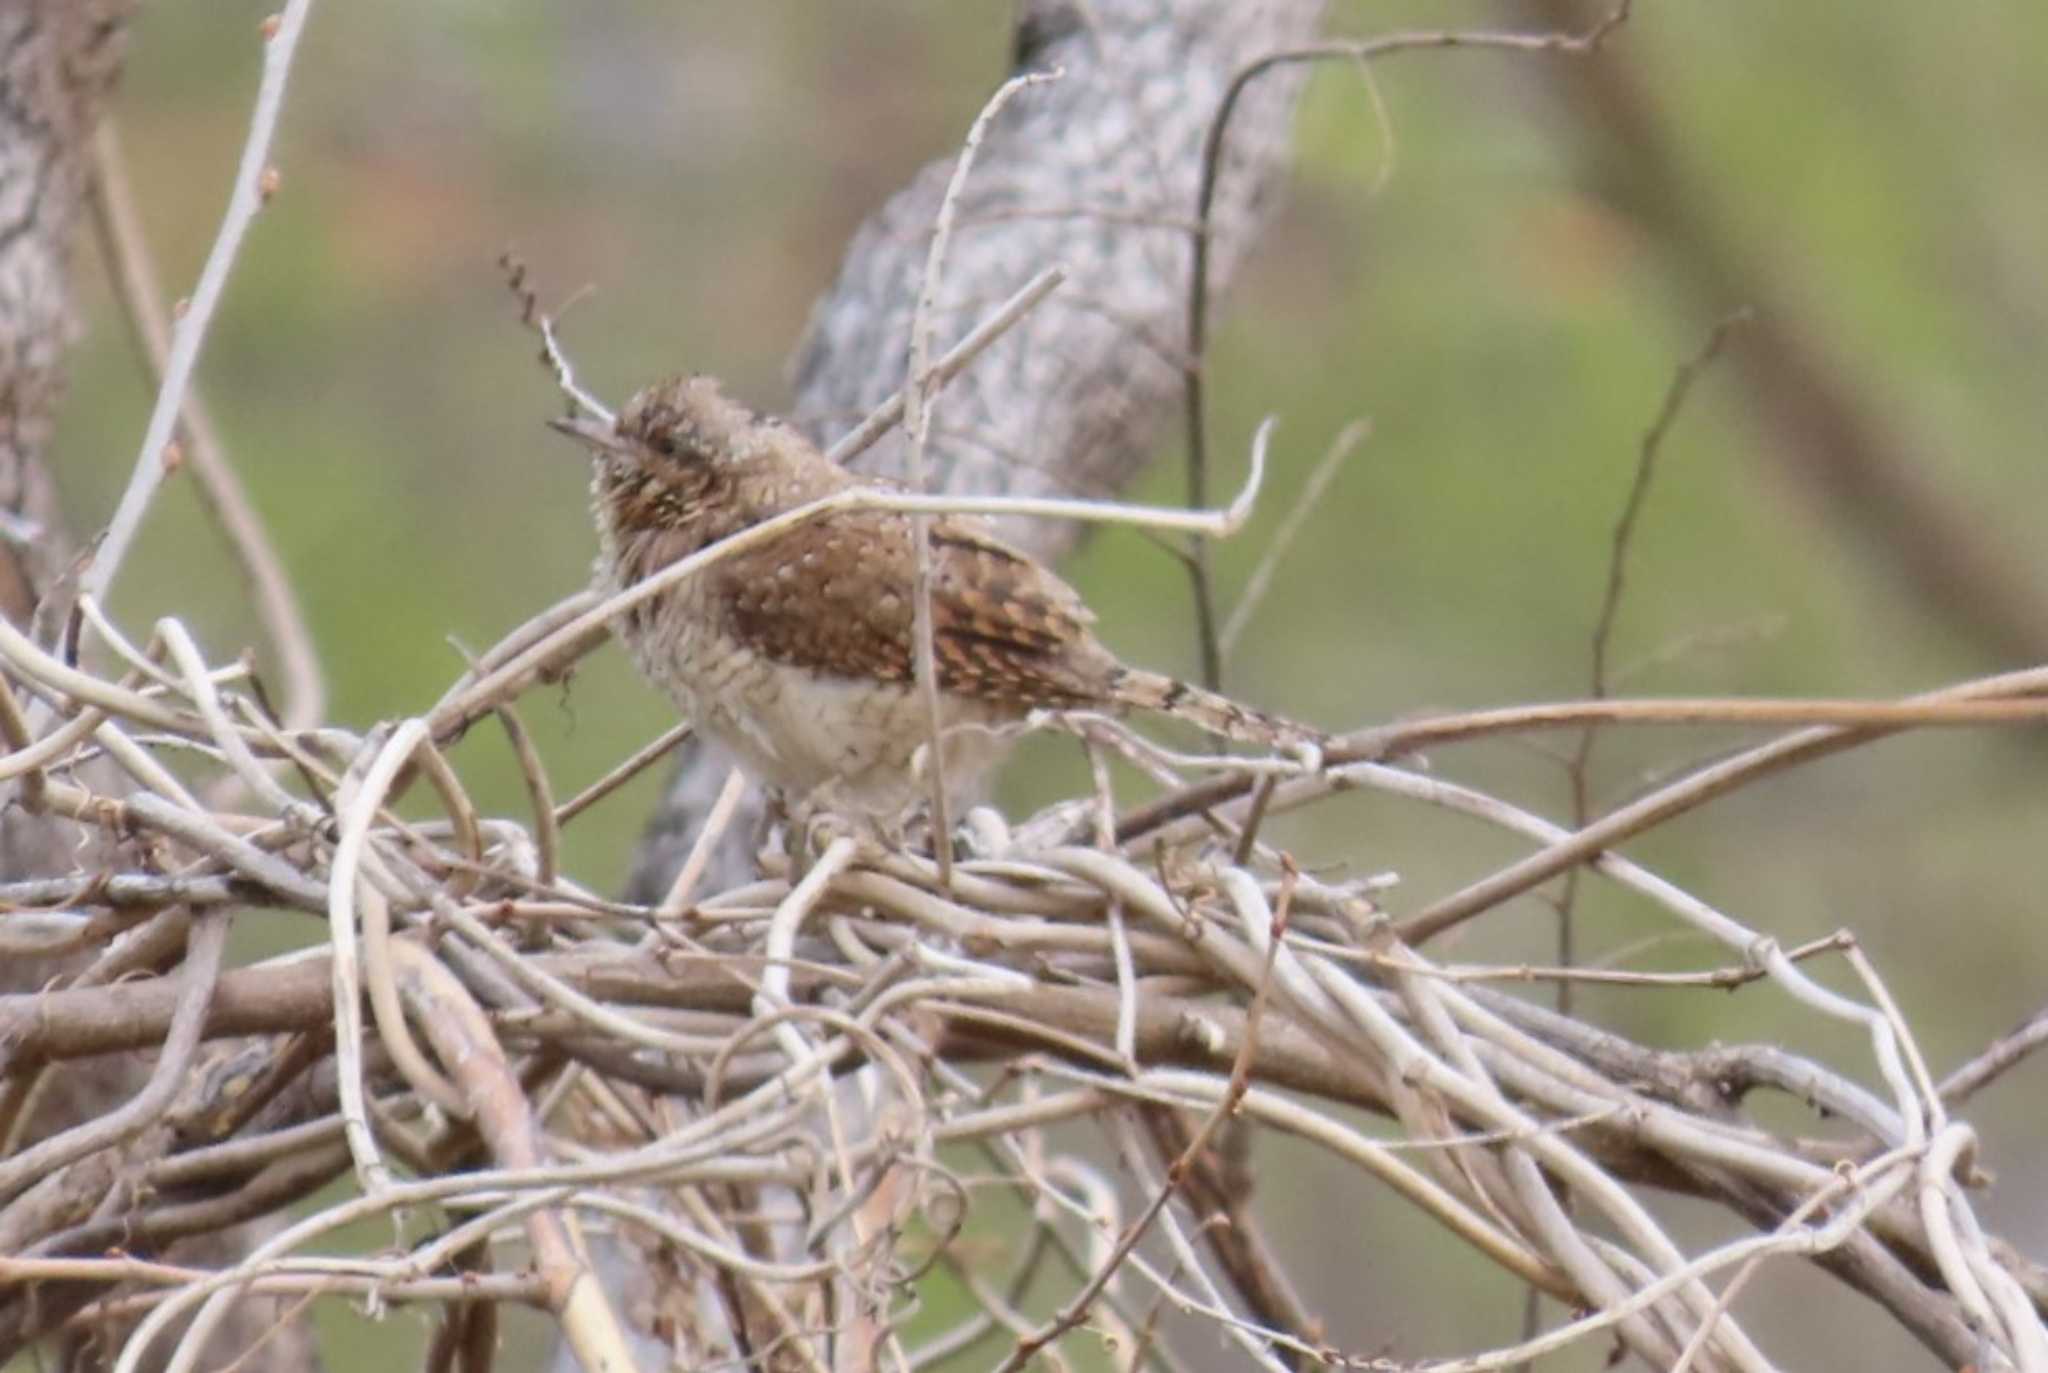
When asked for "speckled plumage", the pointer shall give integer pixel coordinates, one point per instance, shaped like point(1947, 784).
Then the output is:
point(798, 654)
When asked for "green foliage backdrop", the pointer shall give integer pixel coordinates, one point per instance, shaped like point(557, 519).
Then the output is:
point(1458, 265)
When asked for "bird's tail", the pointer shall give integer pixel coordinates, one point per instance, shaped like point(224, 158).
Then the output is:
point(1136, 689)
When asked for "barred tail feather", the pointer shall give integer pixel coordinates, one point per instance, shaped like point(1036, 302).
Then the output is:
point(1135, 689)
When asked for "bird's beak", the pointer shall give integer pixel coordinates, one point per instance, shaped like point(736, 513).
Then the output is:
point(594, 432)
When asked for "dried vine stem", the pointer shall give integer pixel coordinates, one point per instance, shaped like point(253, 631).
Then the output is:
point(1543, 1097)
point(280, 43)
point(126, 248)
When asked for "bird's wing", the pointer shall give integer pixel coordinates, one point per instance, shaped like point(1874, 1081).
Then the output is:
point(836, 595)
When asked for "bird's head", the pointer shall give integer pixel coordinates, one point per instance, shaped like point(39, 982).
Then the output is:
point(676, 426)
point(675, 444)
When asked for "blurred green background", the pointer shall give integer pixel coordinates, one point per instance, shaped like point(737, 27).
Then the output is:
point(1473, 276)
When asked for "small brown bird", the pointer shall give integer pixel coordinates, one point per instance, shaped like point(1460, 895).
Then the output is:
point(798, 654)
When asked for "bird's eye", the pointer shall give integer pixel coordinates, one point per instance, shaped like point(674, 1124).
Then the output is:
point(664, 443)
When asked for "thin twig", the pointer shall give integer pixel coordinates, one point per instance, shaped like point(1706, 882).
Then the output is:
point(540, 795)
point(677, 900)
point(1975, 704)
point(638, 762)
point(1194, 386)
point(518, 282)
point(1706, 784)
point(885, 416)
point(244, 201)
point(1647, 451)
point(126, 248)
point(2000, 1055)
point(920, 392)
point(1578, 767)
point(1716, 979)
point(1305, 505)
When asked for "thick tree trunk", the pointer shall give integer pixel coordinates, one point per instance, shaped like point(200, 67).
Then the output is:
point(58, 59)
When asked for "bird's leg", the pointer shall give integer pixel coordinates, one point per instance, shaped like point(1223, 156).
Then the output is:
point(774, 834)
point(813, 824)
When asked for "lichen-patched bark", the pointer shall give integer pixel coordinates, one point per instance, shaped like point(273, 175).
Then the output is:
point(58, 60)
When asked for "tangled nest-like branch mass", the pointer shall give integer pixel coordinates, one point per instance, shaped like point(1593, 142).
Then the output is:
point(779, 1092)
